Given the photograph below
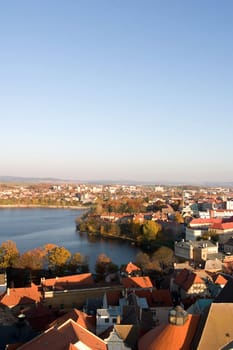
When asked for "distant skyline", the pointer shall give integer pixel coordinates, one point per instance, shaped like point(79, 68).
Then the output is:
point(117, 90)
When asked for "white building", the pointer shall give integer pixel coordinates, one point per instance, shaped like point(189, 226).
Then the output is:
point(191, 234)
point(195, 250)
point(229, 204)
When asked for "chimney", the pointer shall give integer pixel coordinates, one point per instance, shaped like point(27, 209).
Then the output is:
point(8, 291)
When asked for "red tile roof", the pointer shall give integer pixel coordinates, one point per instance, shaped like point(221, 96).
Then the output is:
point(130, 267)
point(19, 296)
point(72, 347)
point(113, 297)
point(167, 337)
point(89, 339)
point(63, 337)
point(77, 316)
point(137, 282)
point(52, 340)
point(222, 226)
point(221, 280)
point(39, 316)
point(162, 297)
point(203, 221)
point(69, 282)
point(159, 297)
point(186, 278)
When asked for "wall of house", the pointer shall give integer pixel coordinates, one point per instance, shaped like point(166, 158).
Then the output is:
point(192, 234)
point(184, 250)
point(75, 298)
point(228, 248)
point(106, 321)
point(195, 289)
point(224, 236)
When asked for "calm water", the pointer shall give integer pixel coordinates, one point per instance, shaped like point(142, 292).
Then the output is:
point(31, 228)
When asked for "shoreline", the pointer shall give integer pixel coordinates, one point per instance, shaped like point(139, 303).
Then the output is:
point(19, 206)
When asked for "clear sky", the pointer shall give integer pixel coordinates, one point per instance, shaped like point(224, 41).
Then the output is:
point(117, 89)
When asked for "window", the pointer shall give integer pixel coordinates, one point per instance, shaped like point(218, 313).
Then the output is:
point(114, 320)
point(106, 320)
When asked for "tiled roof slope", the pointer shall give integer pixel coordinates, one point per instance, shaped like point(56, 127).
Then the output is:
point(130, 267)
point(186, 278)
point(77, 316)
point(158, 297)
point(69, 282)
point(226, 294)
point(221, 280)
point(222, 226)
point(216, 329)
point(203, 221)
point(167, 337)
point(63, 337)
point(137, 282)
point(19, 296)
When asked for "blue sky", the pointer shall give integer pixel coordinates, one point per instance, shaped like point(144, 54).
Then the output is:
point(117, 90)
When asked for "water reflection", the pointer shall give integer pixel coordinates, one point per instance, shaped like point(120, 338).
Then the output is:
point(31, 228)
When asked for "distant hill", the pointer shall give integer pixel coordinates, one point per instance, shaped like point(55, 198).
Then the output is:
point(18, 179)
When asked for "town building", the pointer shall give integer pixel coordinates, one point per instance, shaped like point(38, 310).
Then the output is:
point(197, 251)
point(189, 284)
point(177, 334)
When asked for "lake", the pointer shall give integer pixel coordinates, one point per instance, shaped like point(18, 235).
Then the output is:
point(34, 227)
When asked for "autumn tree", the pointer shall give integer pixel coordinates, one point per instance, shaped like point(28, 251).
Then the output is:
point(164, 256)
point(136, 229)
point(48, 247)
point(110, 228)
point(98, 209)
point(58, 258)
point(9, 254)
point(143, 261)
point(150, 230)
point(78, 263)
point(32, 259)
point(104, 265)
point(179, 218)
